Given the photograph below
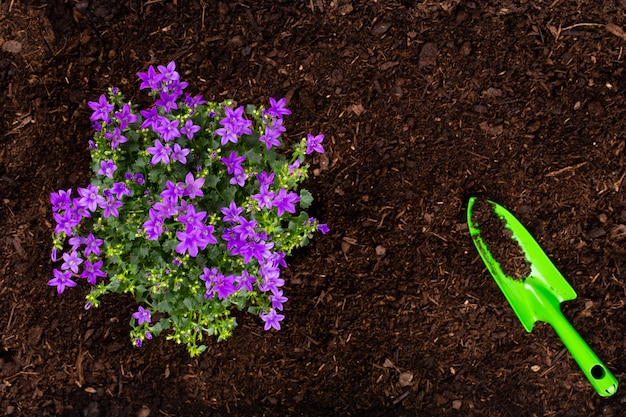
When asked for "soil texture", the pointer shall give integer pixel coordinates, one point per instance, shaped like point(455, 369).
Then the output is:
point(423, 104)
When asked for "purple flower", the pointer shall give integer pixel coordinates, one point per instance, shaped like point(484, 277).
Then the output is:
point(160, 153)
point(180, 154)
point(284, 201)
point(233, 162)
point(277, 108)
point(278, 259)
point(189, 129)
point(115, 137)
point(61, 280)
point(239, 178)
point(176, 86)
point(270, 273)
point(272, 133)
point(227, 135)
point(271, 319)
point(293, 167)
point(138, 342)
point(139, 179)
point(101, 109)
point(193, 101)
point(231, 213)
point(265, 179)
point(71, 262)
point(234, 125)
point(265, 197)
point(154, 226)
point(223, 286)
point(126, 117)
point(260, 250)
point(93, 271)
point(107, 168)
point(322, 227)
point(249, 249)
point(205, 235)
point(167, 129)
point(61, 200)
point(151, 118)
point(79, 211)
point(169, 72)
point(76, 241)
point(142, 316)
point(166, 208)
point(65, 222)
point(245, 228)
point(150, 79)
point(110, 206)
point(209, 276)
point(173, 191)
point(90, 197)
point(314, 144)
point(193, 186)
point(235, 120)
point(167, 101)
point(189, 217)
point(189, 241)
point(245, 281)
point(120, 189)
point(278, 300)
point(92, 245)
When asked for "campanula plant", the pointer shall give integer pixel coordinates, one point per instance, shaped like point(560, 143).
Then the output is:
point(192, 208)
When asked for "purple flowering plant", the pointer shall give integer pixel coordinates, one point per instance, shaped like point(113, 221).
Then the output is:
point(192, 208)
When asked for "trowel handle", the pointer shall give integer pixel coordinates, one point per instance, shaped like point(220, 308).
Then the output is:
point(596, 372)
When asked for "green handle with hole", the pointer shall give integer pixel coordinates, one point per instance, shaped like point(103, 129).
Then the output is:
point(538, 297)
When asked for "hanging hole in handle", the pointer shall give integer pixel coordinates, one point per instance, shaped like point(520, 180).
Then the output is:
point(597, 372)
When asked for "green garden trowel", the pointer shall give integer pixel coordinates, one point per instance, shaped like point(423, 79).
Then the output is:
point(538, 296)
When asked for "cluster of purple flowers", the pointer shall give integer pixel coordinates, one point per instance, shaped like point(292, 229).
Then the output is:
point(166, 83)
point(174, 208)
point(234, 168)
point(196, 235)
point(233, 125)
point(84, 251)
point(267, 199)
point(244, 239)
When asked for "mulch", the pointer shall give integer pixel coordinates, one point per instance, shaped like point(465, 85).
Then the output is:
point(423, 105)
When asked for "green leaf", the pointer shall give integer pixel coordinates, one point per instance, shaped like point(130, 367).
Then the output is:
point(161, 325)
point(170, 245)
point(163, 306)
point(305, 198)
point(229, 193)
point(154, 175)
point(211, 181)
point(140, 293)
point(250, 108)
point(139, 164)
point(190, 304)
point(253, 156)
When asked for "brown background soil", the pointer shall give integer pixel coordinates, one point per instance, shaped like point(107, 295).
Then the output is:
point(423, 104)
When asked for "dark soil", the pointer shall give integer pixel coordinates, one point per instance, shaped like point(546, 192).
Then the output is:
point(499, 240)
point(423, 103)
